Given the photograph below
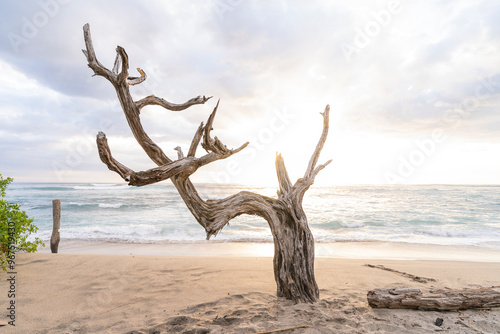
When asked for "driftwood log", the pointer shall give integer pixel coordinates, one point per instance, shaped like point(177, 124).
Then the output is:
point(440, 300)
point(293, 240)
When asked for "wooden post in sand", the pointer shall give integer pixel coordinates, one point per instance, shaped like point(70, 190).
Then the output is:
point(56, 214)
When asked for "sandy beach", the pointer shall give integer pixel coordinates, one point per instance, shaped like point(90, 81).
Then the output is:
point(78, 291)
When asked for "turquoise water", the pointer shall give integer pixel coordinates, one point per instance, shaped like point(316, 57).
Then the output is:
point(432, 214)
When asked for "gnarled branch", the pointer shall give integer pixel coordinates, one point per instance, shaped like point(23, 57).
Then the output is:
point(185, 166)
point(215, 145)
point(107, 158)
point(89, 53)
point(154, 100)
point(130, 107)
point(137, 80)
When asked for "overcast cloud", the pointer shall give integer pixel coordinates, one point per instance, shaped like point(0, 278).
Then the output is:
point(414, 86)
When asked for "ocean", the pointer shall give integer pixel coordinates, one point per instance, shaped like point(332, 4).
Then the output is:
point(423, 214)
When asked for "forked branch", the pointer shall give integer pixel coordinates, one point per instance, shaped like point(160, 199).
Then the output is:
point(311, 172)
point(215, 145)
point(107, 158)
point(183, 166)
point(302, 184)
point(154, 100)
point(146, 177)
point(121, 81)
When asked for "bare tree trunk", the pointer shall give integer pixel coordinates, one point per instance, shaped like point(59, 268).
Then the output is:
point(293, 241)
point(294, 263)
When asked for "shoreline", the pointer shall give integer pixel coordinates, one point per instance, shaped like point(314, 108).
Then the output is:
point(339, 250)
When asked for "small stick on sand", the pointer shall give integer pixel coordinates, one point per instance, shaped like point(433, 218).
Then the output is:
point(419, 279)
point(468, 326)
point(284, 329)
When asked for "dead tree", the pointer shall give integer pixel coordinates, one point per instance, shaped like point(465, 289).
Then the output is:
point(293, 241)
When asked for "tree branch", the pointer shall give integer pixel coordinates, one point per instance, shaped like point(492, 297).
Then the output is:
point(315, 156)
point(302, 184)
point(285, 185)
point(184, 166)
point(117, 65)
point(215, 145)
point(180, 154)
point(150, 176)
point(123, 75)
point(121, 83)
point(107, 158)
point(93, 63)
point(154, 100)
point(244, 202)
point(137, 80)
point(319, 168)
point(195, 141)
point(208, 143)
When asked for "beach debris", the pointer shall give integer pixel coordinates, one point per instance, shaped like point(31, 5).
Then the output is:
point(283, 329)
point(460, 322)
point(414, 278)
point(440, 300)
point(438, 322)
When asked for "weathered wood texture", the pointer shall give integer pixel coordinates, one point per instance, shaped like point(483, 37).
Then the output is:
point(294, 243)
point(56, 217)
point(441, 300)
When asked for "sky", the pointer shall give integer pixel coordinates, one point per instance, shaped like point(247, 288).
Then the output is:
point(414, 87)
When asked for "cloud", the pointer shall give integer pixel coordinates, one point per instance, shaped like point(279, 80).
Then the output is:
point(421, 63)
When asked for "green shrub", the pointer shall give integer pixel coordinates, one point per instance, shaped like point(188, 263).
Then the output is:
point(15, 227)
